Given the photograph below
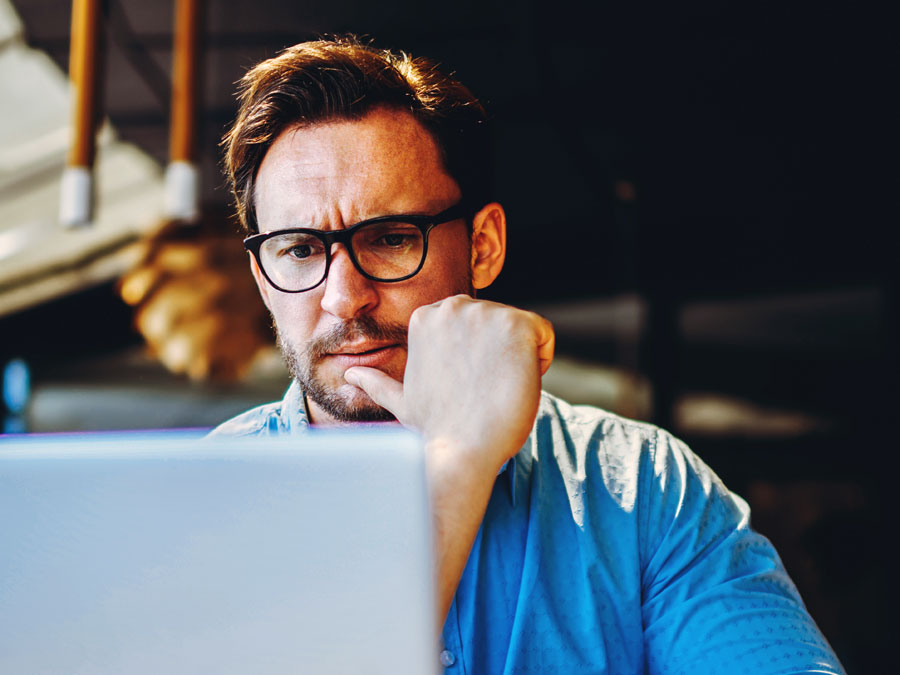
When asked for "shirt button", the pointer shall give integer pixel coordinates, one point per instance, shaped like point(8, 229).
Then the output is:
point(447, 658)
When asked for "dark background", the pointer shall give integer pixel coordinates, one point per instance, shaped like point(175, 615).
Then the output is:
point(678, 153)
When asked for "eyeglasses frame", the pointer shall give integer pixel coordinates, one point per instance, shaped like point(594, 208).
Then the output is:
point(424, 223)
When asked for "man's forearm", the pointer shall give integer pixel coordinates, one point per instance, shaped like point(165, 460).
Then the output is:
point(460, 484)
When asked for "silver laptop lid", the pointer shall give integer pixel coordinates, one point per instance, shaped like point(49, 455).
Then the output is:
point(163, 554)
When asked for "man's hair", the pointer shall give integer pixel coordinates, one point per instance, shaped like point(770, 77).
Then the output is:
point(344, 79)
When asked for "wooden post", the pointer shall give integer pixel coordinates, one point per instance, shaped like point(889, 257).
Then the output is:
point(77, 190)
point(182, 176)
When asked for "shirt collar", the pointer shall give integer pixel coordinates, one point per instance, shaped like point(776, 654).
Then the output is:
point(294, 414)
point(518, 468)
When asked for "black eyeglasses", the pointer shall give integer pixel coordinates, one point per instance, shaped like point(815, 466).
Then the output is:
point(387, 248)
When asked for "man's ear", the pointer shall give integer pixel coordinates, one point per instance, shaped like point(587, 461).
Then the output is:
point(261, 282)
point(488, 244)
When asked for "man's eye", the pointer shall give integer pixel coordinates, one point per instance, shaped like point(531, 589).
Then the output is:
point(300, 251)
point(394, 240)
point(296, 247)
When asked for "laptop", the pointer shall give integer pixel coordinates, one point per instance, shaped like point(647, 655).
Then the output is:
point(164, 553)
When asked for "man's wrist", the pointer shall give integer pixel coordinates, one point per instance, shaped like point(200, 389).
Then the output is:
point(446, 459)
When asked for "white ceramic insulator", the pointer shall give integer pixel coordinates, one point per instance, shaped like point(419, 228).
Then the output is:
point(76, 199)
point(182, 199)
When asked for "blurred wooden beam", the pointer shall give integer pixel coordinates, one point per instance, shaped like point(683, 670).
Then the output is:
point(182, 177)
point(77, 189)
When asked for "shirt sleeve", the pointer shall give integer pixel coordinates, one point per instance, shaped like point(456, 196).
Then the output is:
point(715, 595)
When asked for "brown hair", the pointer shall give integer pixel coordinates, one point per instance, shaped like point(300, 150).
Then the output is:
point(342, 78)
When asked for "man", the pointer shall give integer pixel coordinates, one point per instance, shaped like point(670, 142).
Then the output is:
point(569, 540)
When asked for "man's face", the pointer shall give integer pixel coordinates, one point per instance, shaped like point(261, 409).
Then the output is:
point(333, 175)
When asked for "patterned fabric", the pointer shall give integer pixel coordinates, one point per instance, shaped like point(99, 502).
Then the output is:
point(609, 547)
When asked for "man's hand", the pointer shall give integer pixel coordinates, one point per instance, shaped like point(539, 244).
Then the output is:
point(472, 389)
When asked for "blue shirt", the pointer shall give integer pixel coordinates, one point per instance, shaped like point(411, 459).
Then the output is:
point(609, 547)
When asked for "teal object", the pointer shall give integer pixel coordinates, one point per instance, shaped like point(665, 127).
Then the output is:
point(16, 385)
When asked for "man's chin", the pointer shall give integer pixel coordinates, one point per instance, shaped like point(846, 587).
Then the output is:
point(330, 396)
point(346, 403)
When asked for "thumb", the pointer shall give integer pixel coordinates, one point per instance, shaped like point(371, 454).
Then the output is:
point(381, 388)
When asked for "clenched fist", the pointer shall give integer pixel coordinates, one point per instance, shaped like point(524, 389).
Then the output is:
point(472, 379)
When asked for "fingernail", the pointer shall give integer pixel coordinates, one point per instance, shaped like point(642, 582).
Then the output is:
point(350, 377)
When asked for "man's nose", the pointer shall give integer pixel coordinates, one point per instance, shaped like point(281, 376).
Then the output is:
point(348, 293)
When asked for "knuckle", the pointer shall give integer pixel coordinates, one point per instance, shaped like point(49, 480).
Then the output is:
point(455, 302)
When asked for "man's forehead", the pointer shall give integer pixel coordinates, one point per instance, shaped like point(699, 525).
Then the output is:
point(384, 160)
point(382, 134)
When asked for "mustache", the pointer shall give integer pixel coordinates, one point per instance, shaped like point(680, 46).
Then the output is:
point(352, 330)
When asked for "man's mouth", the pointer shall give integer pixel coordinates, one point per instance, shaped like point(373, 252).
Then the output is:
point(361, 350)
point(371, 355)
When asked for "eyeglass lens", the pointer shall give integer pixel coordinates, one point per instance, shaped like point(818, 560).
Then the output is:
point(386, 251)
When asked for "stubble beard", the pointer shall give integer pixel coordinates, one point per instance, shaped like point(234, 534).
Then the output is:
point(303, 366)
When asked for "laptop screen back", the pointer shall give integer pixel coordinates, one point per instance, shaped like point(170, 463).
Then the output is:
point(150, 554)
